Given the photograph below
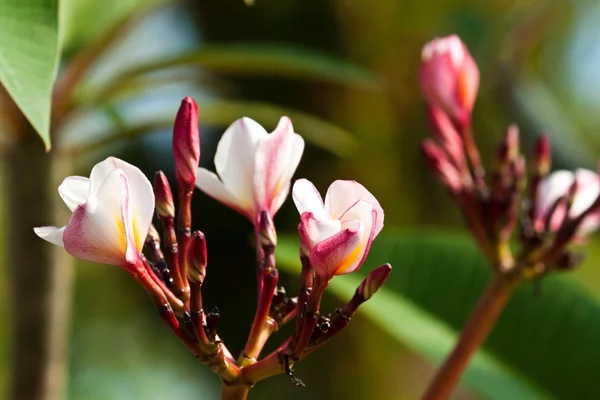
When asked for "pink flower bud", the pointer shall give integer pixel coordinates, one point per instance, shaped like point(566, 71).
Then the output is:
point(164, 197)
point(441, 166)
point(445, 133)
point(186, 143)
point(449, 77)
point(542, 155)
point(374, 281)
point(197, 258)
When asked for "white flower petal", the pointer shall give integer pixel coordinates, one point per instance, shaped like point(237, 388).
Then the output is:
point(234, 159)
point(551, 189)
point(342, 195)
point(96, 231)
point(210, 184)
point(307, 199)
point(313, 231)
point(52, 234)
point(362, 211)
point(588, 189)
point(74, 190)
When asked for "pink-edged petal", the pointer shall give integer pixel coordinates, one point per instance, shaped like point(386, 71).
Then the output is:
point(588, 189)
point(74, 190)
point(329, 255)
point(51, 234)
point(210, 184)
point(313, 231)
point(96, 231)
point(551, 188)
point(589, 224)
point(307, 199)
point(234, 159)
point(342, 195)
point(277, 157)
point(364, 212)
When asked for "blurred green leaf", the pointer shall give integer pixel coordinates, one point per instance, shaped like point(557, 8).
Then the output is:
point(222, 113)
point(29, 50)
point(251, 59)
point(544, 346)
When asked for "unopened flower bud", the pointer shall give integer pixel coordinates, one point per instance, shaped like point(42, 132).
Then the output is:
point(449, 77)
point(542, 156)
point(441, 166)
point(509, 147)
point(268, 234)
point(186, 143)
point(197, 258)
point(163, 196)
point(374, 281)
point(445, 133)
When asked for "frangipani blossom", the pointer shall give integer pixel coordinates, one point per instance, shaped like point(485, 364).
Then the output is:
point(557, 185)
point(112, 212)
point(449, 77)
point(254, 168)
point(337, 234)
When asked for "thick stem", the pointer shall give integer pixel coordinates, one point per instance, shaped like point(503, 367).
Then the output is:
point(184, 226)
point(234, 392)
point(481, 322)
point(40, 274)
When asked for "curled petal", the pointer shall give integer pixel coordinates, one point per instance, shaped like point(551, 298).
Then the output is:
point(74, 190)
point(51, 234)
point(97, 230)
point(366, 213)
point(330, 254)
point(277, 157)
point(342, 195)
point(313, 231)
point(307, 198)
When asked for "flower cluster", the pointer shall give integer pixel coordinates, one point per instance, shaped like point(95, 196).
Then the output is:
point(112, 224)
point(559, 208)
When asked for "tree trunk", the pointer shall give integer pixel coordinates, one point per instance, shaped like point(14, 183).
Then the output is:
point(40, 274)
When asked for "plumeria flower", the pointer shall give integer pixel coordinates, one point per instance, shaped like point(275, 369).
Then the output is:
point(337, 234)
point(557, 185)
point(112, 212)
point(254, 168)
point(449, 77)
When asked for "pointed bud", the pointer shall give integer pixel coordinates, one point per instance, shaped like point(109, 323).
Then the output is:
point(445, 133)
point(374, 281)
point(444, 170)
point(268, 234)
point(197, 258)
point(542, 156)
point(186, 143)
point(164, 198)
point(449, 77)
point(509, 148)
point(153, 235)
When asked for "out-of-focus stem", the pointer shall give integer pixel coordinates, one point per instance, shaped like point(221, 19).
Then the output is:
point(480, 323)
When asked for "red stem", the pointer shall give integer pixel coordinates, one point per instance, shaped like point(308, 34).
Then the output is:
point(481, 322)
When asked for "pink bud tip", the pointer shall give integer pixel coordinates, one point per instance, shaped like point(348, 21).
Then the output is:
point(438, 162)
point(197, 258)
point(186, 143)
point(163, 196)
point(542, 155)
point(449, 77)
point(374, 281)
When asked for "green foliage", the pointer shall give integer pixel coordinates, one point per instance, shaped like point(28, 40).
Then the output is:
point(29, 50)
point(544, 345)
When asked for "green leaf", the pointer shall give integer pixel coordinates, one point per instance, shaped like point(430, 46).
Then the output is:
point(222, 113)
point(544, 346)
point(251, 59)
point(29, 50)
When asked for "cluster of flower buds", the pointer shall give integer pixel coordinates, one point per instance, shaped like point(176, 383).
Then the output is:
point(555, 210)
point(112, 224)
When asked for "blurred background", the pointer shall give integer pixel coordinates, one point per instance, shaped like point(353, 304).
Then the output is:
point(350, 87)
